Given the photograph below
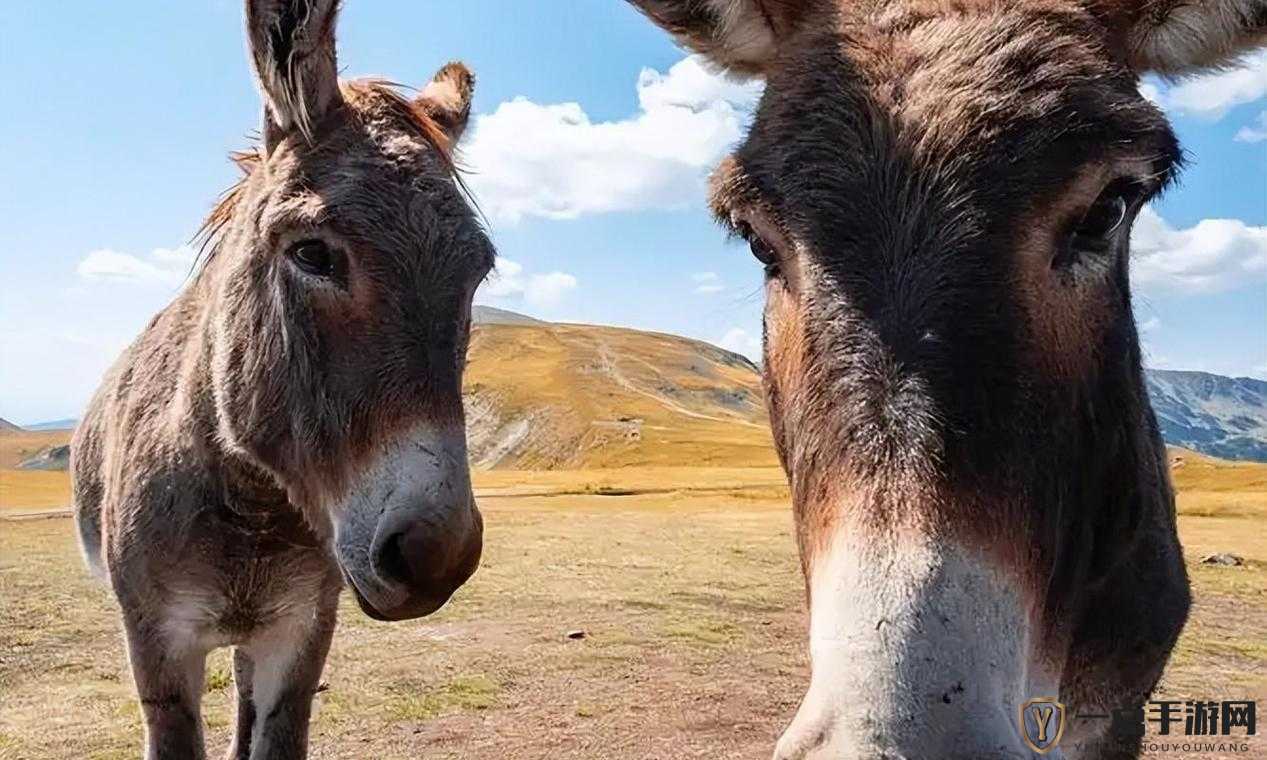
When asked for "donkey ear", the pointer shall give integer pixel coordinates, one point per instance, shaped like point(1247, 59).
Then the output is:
point(1178, 37)
point(739, 35)
point(447, 98)
point(292, 50)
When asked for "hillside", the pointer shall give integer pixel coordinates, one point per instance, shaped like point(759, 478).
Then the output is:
point(68, 423)
point(50, 458)
point(557, 396)
point(8, 427)
point(32, 488)
point(491, 315)
point(18, 446)
point(1222, 416)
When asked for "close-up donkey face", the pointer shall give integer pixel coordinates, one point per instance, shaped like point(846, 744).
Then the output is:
point(943, 207)
point(941, 196)
point(345, 264)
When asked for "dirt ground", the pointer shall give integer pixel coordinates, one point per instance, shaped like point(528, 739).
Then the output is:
point(690, 600)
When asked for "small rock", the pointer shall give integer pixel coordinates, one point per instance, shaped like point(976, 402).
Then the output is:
point(323, 686)
point(1225, 559)
point(577, 634)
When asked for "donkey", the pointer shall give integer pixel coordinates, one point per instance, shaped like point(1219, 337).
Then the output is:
point(293, 420)
point(941, 193)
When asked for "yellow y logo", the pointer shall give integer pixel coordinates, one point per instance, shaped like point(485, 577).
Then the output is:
point(1042, 722)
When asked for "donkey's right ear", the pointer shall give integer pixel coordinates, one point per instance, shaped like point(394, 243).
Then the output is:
point(1180, 37)
point(741, 36)
point(447, 98)
point(292, 49)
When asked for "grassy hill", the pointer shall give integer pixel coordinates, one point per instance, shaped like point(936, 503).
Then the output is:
point(31, 488)
point(554, 396)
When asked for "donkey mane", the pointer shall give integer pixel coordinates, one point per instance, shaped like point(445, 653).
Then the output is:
point(368, 98)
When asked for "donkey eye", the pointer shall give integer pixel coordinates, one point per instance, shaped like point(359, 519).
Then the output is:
point(1104, 217)
point(1107, 215)
point(315, 258)
point(1096, 234)
point(761, 250)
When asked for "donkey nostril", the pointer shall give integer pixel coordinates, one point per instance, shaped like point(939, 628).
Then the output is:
point(391, 563)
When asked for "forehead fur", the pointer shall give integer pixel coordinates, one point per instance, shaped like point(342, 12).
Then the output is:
point(402, 123)
point(400, 129)
point(917, 97)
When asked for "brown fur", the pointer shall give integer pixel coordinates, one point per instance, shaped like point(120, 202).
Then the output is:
point(239, 435)
point(940, 359)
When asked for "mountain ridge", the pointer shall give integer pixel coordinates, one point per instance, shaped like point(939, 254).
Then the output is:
point(1221, 416)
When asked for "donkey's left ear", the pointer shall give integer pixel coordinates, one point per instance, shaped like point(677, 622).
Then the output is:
point(292, 50)
point(1179, 37)
point(447, 98)
point(741, 36)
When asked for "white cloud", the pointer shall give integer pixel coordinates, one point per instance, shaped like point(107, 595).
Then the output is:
point(1211, 256)
point(164, 266)
point(743, 342)
point(548, 289)
point(1149, 325)
point(552, 161)
point(510, 282)
point(707, 282)
point(1210, 96)
point(1255, 133)
point(505, 280)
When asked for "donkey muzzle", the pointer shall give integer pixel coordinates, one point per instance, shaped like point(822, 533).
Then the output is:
point(409, 534)
point(919, 649)
point(418, 565)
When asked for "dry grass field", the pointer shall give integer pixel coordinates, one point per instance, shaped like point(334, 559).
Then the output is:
point(684, 581)
point(31, 489)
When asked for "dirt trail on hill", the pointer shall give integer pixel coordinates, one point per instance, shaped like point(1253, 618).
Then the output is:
point(612, 369)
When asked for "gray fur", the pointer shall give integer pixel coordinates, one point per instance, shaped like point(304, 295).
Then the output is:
point(268, 406)
point(953, 378)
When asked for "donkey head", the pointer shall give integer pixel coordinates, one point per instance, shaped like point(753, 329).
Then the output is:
point(343, 270)
point(941, 193)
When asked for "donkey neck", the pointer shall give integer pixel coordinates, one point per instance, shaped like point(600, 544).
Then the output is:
point(246, 496)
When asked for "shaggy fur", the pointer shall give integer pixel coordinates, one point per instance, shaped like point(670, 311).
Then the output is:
point(266, 407)
point(941, 365)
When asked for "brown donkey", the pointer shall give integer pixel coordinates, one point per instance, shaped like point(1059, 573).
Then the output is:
point(941, 192)
point(293, 420)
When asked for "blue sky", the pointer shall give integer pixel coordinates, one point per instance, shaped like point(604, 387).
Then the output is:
point(592, 137)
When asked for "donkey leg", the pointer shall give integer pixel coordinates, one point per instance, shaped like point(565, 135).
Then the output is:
point(287, 667)
point(243, 682)
point(169, 677)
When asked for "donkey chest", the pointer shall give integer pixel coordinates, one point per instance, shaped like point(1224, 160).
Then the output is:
point(231, 602)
